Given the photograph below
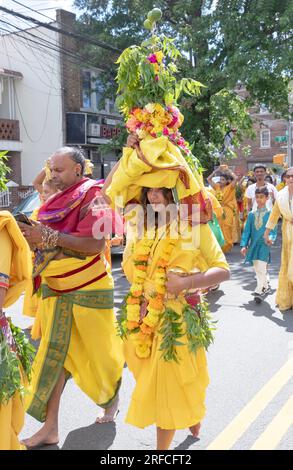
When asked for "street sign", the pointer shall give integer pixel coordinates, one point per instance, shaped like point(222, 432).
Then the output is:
point(281, 138)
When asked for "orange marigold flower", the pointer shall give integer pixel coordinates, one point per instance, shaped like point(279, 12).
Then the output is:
point(146, 329)
point(156, 303)
point(141, 267)
point(162, 263)
point(131, 325)
point(136, 293)
point(142, 258)
point(132, 300)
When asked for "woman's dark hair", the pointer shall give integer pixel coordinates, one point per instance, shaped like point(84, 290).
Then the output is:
point(263, 190)
point(268, 177)
point(167, 193)
point(227, 177)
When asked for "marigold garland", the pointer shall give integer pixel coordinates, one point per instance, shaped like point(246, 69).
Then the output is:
point(155, 307)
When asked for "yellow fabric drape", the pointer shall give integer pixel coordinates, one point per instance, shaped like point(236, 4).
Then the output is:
point(284, 297)
point(82, 323)
point(21, 266)
point(168, 394)
point(134, 173)
point(228, 220)
point(217, 208)
point(15, 263)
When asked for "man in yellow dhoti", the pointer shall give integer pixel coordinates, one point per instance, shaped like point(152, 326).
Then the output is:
point(15, 271)
point(76, 310)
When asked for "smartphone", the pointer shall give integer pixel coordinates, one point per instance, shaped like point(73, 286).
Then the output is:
point(20, 217)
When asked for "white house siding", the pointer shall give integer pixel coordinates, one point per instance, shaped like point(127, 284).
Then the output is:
point(38, 96)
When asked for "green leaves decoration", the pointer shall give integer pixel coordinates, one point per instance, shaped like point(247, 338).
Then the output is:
point(12, 362)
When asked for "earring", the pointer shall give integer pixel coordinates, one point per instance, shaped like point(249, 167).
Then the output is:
point(77, 174)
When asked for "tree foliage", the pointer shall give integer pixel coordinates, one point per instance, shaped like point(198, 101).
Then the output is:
point(223, 43)
point(4, 169)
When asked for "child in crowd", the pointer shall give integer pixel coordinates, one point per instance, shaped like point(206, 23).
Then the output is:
point(253, 245)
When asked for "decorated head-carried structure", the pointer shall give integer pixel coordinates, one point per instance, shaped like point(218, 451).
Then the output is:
point(148, 92)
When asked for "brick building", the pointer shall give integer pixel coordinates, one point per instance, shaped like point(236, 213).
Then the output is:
point(264, 146)
point(88, 120)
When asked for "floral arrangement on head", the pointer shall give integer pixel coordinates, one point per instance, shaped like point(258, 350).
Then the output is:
point(148, 89)
point(148, 94)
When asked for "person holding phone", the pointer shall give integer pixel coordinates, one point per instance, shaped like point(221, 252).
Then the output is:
point(76, 306)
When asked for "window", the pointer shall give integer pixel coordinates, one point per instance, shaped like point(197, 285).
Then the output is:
point(86, 89)
point(263, 109)
point(98, 90)
point(265, 138)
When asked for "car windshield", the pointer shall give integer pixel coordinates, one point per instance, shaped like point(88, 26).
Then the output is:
point(29, 204)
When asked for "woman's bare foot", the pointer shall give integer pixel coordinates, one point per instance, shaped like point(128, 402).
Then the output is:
point(109, 414)
point(44, 437)
point(195, 429)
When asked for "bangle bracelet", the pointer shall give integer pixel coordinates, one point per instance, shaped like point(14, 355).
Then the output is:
point(50, 237)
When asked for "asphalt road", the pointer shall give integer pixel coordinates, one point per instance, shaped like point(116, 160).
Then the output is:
point(250, 365)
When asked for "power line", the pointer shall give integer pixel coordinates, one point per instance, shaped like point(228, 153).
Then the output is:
point(70, 54)
point(61, 31)
point(48, 17)
point(35, 11)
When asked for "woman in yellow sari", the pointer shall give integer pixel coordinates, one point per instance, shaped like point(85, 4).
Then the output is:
point(226, 195)
point(283, 207)
point(171, 380)
point(15, 270)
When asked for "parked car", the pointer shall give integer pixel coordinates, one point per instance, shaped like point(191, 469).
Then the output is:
point(32, 202)
point(28, 204)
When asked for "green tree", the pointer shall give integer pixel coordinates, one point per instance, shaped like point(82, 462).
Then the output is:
point(235, 41)
point(4, 169)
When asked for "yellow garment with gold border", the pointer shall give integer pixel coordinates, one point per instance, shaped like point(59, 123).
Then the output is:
point(171, 395)
point(228, 221)
point(14, 263)
point(284, 296)
point(78, 334)
point(31, 300)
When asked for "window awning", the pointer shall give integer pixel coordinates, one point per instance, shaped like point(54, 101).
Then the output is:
point(10, 73)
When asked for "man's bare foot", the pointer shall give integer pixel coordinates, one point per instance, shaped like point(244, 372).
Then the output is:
point(44, 437)
point(109, 414)
point(195, 429)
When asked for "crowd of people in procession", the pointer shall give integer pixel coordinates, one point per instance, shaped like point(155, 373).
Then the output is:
point(72, 275)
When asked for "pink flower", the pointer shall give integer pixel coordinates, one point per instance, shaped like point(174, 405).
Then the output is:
point(181, 142)
point(156, 78)
point(165, 131)
point(153, 59)
point(132, 124)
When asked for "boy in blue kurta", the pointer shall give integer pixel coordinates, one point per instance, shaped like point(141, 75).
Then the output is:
point(253, 244)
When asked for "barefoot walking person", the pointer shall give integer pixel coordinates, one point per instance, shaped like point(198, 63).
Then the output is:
point(76, 309)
